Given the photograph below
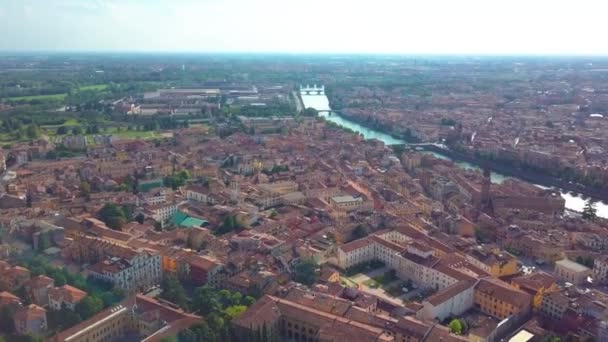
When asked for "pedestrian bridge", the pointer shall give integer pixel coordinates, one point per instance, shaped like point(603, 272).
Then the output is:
point(312, 90)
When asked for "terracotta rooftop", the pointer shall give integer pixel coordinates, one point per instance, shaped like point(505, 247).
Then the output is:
point(40, 281)
point(503, 292)
point(67, 293)
point(354, 245)
point(450, 292)
point(29, 312)
point(176, 319)
point(7, 298)
point(534, 281)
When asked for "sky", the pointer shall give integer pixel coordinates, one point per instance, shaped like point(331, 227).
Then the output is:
point(565, 27)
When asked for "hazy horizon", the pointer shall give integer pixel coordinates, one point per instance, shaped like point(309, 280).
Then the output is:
point(381, 27)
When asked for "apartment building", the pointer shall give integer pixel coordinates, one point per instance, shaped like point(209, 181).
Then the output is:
point(355, 252)
point(199, 193)
point(38, 288)
point(572, 272)
point(65, 296)
point(30, 319)
point(537, 285)
point(129, 268)
point(163, 212)
point(499, 299)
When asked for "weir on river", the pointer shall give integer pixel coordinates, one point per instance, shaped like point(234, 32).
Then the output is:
point(321, 104)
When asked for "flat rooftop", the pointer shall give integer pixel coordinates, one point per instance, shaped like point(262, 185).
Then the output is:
point(571, 265)
point(346, 199)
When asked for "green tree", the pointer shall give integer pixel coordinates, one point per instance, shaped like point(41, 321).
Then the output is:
point(77, 130)
point(62, 319)
point(205, 300)
point(248, 301)
point(60, 280)
point(305, 272)
point(44, 241)
point(551, 338)
point(215, 321)
point(201, 332)
point(114, 216)
point(89, 306)
point(360, 232)
point(184, 175)
point(33, 131)
point(589, 212)
point(173, 291)
point(187, 335)
point(234, 311)
point(455, 326)
point(273, 213)
point(140, 218)
point(310, 112)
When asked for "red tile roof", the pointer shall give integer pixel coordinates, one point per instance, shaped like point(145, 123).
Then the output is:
point(67, 293)
point(30, 312)
point(354, 245)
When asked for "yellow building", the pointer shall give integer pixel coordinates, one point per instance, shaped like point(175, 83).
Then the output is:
point(537, 285)
point(494, 261)
point(497, 298)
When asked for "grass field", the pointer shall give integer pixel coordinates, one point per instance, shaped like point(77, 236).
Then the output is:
point(68, 123)
point(97, 87)
point(59, 97)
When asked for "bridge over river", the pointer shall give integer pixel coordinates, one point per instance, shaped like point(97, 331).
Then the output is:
point(314, 90)
point(315, 97)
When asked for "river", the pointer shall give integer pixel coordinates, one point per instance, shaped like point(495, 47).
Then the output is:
point(321, 103)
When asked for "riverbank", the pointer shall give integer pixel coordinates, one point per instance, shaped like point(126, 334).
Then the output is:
point(407, 136)
point(573, 202)
point(507, 170)
point(531, 177)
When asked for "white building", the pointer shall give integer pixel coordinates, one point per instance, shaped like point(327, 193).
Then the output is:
point(355, 252)
point(410, 260)
point(347, 202)
point(65, 295)
point(449, 302)
point(571, 271)
point(163, 212)
point(155, 197)
point(199, 193)
point(138, 272)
